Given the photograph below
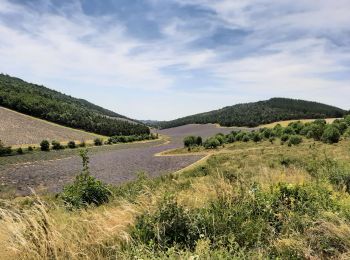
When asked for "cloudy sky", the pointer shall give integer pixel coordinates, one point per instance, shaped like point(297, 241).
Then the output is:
point(162, 59)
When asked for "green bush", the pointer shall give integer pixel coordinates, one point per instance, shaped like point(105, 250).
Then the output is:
point(56, 145)
point(82, 144)
point(315, 131)
point(30, 149)
point(284, 137)
point(347, 120)
point(71, 145)
point(331, 135)
point(4, 150)
point(98, 142)
point(169, 226)
point(246, 138)
point(189, 141)
point(19, 150)
point(199, 141)
point(211, 143)
point(45, 145)
point(295, 140)
point(256, 137)
point(86, 189)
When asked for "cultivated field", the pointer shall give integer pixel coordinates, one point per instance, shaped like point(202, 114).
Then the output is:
point(17, 129)
point(112, 164)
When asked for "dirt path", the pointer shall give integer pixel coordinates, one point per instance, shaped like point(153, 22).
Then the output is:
point(111, 166)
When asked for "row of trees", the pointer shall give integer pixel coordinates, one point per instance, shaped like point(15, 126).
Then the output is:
point(318, 130)
point(258, 113)
point(56, 107)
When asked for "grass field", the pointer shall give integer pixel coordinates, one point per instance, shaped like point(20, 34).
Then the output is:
point(246, 200)
point(287, 122)
point(17, 129)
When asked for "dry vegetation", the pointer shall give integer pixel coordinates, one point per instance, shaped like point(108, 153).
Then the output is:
point(238, 184)
point(287, 122)
point(17, 129)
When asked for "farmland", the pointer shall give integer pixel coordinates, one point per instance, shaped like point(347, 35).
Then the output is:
point(112, 164)
point(21, 130)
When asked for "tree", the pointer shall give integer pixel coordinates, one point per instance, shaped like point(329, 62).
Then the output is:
point(45, 145)
point(211, 143)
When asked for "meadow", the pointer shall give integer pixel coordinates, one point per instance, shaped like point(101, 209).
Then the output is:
point(244, 200)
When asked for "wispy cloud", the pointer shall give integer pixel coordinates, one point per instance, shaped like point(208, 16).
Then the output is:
point(163, 59)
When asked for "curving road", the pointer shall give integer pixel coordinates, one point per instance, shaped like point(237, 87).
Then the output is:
point(111, 166)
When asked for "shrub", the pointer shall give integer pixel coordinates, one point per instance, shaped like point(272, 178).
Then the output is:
point(240, 136)
point(189, 141)
point(170, 225)
point(71, 145)
point(211, 143)
point(86, 189)
point(98, 142)
point(4, 150)
point(256, 137)
point(56, 145)
point(315, 130)
point(289, 131)
point(245, 138)
point(284, 138)
point(331, 135)
point(19, 150)
point(347, 120)
point(82, 144)
point(342, 126)
point(30, 149)
point(45, 145)
point(231, 138)
point(295, 140)
point(221, 138)
point(199, 141)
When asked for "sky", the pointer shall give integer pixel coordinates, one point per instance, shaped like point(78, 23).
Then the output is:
point(163, 59)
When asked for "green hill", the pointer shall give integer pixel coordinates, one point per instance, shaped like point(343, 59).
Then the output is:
point(262, 112)
point(47, 104)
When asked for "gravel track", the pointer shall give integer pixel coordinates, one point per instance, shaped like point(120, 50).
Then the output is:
point(112, 166)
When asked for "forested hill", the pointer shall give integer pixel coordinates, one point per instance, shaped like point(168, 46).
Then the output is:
point(262, 112)
point(47, 104)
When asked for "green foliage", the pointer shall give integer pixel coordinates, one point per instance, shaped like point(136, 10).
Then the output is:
point(315, 130)
point(295, 140)
point(190, 141)
point(53, 106)
point(86, 189)
point(5, 150)
point(256, 137)
point(331, 135)
point(284, 137)
point(56, 145)
point(82, 144)
point(98, 142)
point(170, 225)
point(132, 138)
point(19, 150)
point(263, 112)
point(245, 138)
point(211, 143)
point(71, 145)
point(30, 149)
point(347, 120)
point(45, 145)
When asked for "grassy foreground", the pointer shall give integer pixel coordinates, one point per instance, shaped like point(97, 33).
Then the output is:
point(246, 201)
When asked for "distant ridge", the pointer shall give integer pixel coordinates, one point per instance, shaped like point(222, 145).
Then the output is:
point(51, 105)
point(261, 112)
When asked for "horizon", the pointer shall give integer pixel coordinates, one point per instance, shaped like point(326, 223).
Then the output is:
point(179, 57)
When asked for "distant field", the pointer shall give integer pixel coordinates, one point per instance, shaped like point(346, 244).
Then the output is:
point(19, 129)
point(285, 123)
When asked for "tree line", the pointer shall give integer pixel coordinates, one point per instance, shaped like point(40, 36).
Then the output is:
point(258, 113)
point(50, 105)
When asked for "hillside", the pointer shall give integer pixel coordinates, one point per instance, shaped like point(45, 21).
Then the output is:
point(20, 129)
point(258, 113)
point(47, 104)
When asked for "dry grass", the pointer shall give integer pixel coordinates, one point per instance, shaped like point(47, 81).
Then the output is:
point(47, 231)
point(17, 129)
point(287, 122)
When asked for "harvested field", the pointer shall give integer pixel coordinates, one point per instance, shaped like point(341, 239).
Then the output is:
point(17, 129)
point(117, 164)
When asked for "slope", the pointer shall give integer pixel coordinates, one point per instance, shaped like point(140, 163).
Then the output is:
point(262, 112)
point(50, 105)
point(20, 129)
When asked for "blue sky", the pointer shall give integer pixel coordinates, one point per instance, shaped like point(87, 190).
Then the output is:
point(162, 59)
